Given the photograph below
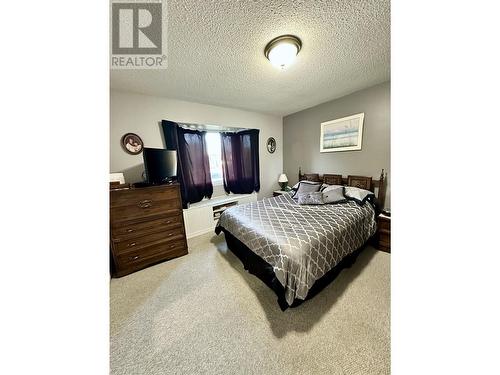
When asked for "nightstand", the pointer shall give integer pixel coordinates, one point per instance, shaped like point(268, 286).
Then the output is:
point(279, 192)
point(384, 233)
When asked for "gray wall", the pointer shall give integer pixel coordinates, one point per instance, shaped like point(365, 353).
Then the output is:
point(301, 134)
point(141, 114)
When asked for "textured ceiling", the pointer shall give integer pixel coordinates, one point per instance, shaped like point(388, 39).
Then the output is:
point(215, 53)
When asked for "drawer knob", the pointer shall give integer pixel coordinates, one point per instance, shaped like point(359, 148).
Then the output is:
point(171, 246)
point(168, 221)
point(131, 244)
point(134, 258)
point(170, 234)
point(129, 230)
point(146, 203)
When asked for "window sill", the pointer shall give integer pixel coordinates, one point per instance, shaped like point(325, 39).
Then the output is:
point(221, 199)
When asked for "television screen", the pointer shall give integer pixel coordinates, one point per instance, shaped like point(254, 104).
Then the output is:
point(160, 165)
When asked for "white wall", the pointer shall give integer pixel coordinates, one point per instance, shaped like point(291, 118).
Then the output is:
point(141, 114)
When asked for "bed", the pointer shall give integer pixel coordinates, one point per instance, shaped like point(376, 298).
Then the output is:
point(299, 249)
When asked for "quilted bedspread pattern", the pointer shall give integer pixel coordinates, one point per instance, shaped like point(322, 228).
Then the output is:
point(301, 242)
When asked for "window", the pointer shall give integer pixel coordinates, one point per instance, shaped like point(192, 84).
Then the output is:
point(214, 156)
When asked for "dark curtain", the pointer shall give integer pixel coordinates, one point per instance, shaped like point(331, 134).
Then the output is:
point(193, 169)
point(240, 161)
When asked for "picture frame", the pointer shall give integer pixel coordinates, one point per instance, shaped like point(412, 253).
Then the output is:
point(271, 145)
point(132, 144)
point(343, 134)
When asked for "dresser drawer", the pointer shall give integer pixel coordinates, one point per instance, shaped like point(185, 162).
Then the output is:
point(384, 240)
point(384, 224)
point(132, 197)
point(144, 208)
point(170, 235)
point(125, 230)
point(152, 254)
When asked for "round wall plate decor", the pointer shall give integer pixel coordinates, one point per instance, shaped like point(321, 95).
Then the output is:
point(271, 145)
point(132, 144)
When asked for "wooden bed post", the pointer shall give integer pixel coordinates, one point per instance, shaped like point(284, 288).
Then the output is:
point(300, 174)
point(381, 189)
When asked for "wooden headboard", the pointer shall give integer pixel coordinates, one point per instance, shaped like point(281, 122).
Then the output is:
point(362, 182)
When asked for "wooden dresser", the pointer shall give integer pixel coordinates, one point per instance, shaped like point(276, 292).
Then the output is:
point(384, 233)
point(146, 226)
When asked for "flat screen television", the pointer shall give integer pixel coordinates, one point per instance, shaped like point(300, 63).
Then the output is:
point(160, 165)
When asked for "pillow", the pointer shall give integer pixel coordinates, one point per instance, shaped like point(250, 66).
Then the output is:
point(310, 198)
point(324, 186)
point(334, 194)
point(307, 187)
point(296, 186)
point(360, 196)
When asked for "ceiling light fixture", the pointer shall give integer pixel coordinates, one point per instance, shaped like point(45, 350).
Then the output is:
point(281, 51)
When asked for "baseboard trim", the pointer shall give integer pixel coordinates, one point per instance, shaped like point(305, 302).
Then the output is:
point(201, 232)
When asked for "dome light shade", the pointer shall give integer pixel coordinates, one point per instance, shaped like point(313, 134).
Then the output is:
point(281, 51)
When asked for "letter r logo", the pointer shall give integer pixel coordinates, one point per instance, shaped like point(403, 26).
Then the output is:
point(136, 28)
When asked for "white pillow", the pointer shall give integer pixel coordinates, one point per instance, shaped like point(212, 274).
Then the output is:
point(360, 196)
point(334, 194)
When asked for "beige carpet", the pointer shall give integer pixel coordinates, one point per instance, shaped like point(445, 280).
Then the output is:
point(203, 314)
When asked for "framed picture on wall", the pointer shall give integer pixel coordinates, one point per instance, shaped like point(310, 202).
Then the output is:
point(271, 145)
point(343, 134)
point(132, 144)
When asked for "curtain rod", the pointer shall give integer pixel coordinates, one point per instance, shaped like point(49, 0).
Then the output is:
point(210, 128)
